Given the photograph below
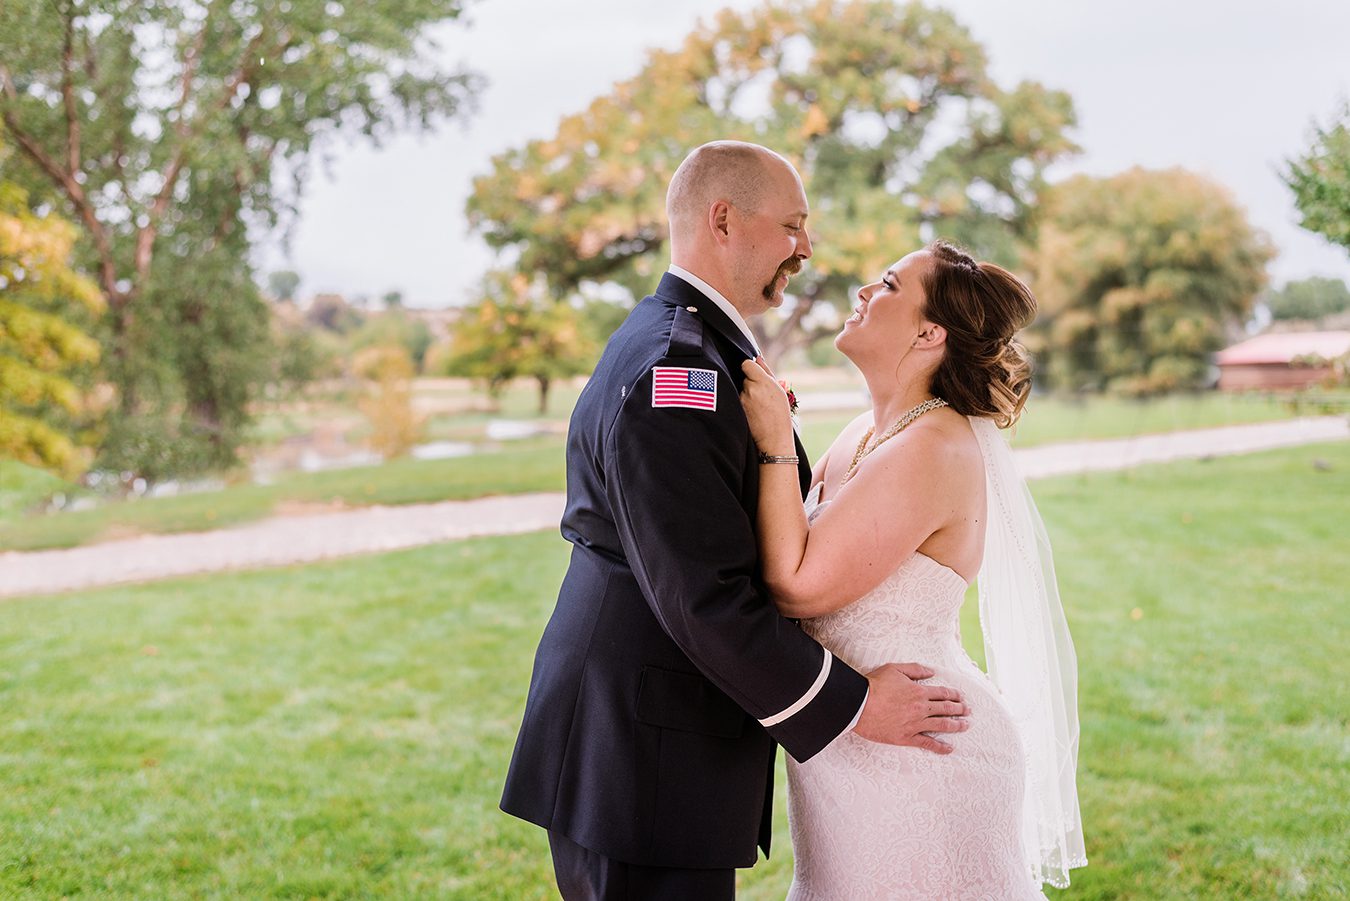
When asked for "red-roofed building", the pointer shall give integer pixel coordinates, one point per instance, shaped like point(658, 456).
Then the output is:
point(1281, 361)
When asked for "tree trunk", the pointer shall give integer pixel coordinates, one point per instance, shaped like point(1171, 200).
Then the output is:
point(123, 378)
point(205, 411)
point(544, 382)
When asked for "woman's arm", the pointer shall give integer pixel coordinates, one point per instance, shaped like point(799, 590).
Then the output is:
point(876, 521)
point(781, 527)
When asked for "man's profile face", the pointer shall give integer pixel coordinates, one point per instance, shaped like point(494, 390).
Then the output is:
point(772, 243)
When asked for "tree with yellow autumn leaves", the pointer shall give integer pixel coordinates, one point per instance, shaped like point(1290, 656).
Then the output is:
point(45, 351)
point(887, 109)
point(516, 331)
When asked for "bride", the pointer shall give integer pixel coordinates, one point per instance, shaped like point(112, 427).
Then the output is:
point(911, 503)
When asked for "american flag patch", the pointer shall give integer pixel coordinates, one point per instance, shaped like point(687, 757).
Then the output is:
point(675, 386)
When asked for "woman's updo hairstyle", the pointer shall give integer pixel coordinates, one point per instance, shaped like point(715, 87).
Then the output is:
point(981, 305)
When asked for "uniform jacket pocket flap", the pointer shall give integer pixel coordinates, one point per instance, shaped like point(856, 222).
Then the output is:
point(687, 702)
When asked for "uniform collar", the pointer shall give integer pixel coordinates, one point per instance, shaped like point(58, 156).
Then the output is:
point(733, 314)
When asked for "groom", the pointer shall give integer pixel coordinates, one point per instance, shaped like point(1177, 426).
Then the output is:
point(665, 675)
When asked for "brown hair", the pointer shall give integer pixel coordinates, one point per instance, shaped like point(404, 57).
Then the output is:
point(983, 371)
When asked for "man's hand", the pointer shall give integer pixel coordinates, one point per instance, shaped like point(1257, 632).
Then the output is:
point(899, 711)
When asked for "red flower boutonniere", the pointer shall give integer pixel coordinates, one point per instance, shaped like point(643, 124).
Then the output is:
point(791, 395)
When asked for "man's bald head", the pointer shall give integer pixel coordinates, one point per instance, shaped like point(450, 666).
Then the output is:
point(734, 171)
point(738, 221)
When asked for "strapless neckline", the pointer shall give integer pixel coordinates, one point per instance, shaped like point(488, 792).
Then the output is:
point(814, 505)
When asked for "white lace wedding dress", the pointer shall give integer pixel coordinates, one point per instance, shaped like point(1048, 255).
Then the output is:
point(872, 821)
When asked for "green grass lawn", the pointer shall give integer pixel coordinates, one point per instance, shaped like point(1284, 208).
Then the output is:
point(23, 486)
point(536, 465)
point(341, 730)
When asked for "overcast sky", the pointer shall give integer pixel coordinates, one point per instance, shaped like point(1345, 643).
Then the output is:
point(1227, 89)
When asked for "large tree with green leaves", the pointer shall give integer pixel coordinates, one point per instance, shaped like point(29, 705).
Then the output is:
point(46, 353)
point(1320, 180)
point(1140, 278)
point(166, 129)
point(887, 109)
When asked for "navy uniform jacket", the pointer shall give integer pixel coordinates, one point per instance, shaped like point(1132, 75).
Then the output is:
point(665, 675)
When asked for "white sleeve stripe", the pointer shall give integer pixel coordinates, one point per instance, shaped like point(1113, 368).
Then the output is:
point(804, 699)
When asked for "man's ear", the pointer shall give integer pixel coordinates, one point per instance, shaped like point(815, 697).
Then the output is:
point(719, 215)
point(931, 337)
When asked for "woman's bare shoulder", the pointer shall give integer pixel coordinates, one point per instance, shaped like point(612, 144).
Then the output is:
point(955, 430)
point(960, 449)
point(940, 445)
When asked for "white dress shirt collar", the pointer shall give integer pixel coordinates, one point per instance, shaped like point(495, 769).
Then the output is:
point(716, 297)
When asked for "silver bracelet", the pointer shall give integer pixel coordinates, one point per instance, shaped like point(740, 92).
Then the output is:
point(770, 458)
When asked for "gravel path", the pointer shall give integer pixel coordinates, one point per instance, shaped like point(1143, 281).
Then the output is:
point(289, 540)
point(1096, 456)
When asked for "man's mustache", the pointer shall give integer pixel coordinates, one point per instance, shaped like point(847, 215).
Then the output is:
point(790, 267)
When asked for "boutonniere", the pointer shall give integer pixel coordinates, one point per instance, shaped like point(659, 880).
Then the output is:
point(791, 395)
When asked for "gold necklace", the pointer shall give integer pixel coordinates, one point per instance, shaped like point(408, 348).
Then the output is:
point(896, 428)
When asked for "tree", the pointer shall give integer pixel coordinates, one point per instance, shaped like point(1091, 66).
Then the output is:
point(1320, 180)
point(205, 330)
point(1138, 278)
point(165, 128)
point(1309, 298)
point(886, 109)
point(395, 426)
point(518, 331)
point(283, 285)
point(45, 308)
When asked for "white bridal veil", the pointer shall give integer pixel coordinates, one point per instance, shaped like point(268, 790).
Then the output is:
point(1031, 660)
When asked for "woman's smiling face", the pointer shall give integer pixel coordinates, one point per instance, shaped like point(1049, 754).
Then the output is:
point(889, 313)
